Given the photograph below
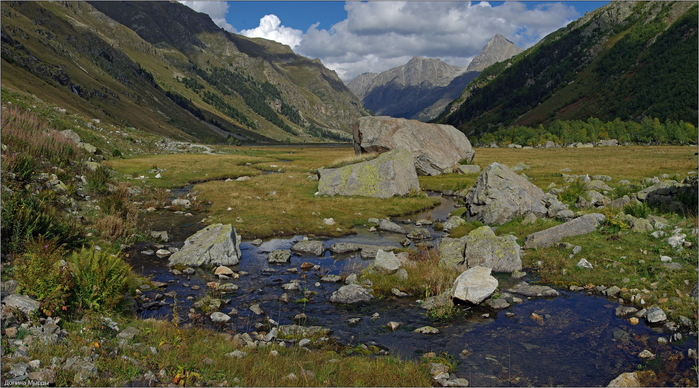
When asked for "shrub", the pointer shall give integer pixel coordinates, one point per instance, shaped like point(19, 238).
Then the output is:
point(571, 193)
point(40, 273)
point(117, 154)
point(97, 180)
point(100, 279)
point(638, 210)
point(25, 217)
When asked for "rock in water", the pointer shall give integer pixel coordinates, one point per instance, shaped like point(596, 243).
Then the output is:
point(435, 148)
point(390, 174)
point(484, 248)
point(474, 285)
point(499, 195)
point(315, 247)
point(216, 244)
point(581, 225)
point(386, 263)
point(352, 293)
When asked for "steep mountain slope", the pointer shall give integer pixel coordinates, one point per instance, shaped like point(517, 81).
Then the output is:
point(626, 60)
point(170, 70)
point(422, 88)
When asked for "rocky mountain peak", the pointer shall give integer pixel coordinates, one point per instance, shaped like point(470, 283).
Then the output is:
point(496, 50)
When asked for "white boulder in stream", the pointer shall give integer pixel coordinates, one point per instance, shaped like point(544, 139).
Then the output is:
point(386, 263)
point(474, 285)
point(217, 244)
point(315, 247)
point(352, 293)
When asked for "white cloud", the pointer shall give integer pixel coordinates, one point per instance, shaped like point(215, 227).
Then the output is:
point(377, 36)
point(271, 28)
point(217, 10)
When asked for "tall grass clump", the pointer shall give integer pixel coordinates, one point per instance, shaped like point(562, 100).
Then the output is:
point(100, 279)
point(26, 217)
point(97, 179)
point(24, 133)
point(570, 194)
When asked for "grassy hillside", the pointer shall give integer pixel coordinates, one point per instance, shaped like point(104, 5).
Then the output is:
point(625, 60)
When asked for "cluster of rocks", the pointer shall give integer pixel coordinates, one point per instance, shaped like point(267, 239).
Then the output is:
point(551, 144)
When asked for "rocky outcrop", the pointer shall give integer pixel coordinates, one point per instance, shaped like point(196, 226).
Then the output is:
point(474, 285)
point(499, 195)
point(435, 148)
point(485, 249)
point(581, 225)
point(390, 174)
point(217, 244)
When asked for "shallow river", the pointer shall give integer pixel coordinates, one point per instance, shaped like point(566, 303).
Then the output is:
point(579, 342)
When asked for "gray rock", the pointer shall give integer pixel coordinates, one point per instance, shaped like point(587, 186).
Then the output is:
point(612, 291)
point(583, 263)
point(499, 195)
point(161, 235)
point(219, 317)
point(419, 234)
point(350, 294)
point(345, 247)
point(217, 244)
point(451, 251)
point(390, 174)
point(469, 169)
point(256, 309)
point(628, 379)
point(427, 330)
point(604, 178)
point(597, 185)
point(620, 202)
point(181, 202)
point(608, 143)
point(9, 287)
point(84, 369)
point(22, 303)
point(399, 293)
point(386, 263)
point(529, 219)
point(453, 222)
point(597, 199)
point(129, 333)
point(642, 225)
point(497, 304)
point(655, 314)
point(579, 226)
point(279, 256)
point(527, 289)
point(370, 251)
point(434, 148)
point(672, 266)
point(236, 354)
point(442, 300)
point(388, 226)
point(331, 278)
point(315, 247)
point(485, 249)
point(474, 285)
point(624, 311)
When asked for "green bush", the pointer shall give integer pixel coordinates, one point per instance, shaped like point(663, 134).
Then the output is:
point(571, 193)
point(100, 279)
point(117, 154)
point(39, 273)
point(638, 210)
point(97, 180)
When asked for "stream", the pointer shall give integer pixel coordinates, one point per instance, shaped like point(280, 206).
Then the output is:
point(579, 342)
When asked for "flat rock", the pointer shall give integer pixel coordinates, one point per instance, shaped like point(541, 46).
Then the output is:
point(22, 303)
point(331, 278)
point(624, 311)
point(655, 314)
point(434, 148)
point(370, 251)
point(315, 247)
point(500, 195)
point(352, 293)
point(389, 226)
point(217, 244)
point(527, 289)
point(345, 247)
point(426, 330)
point(579, 226)
point(485, 249)
point(390, 174)
point(419, 234)
point(386, 263)
point(497, 304)
point(279, 256)
point(219, 317)
point(474, 285)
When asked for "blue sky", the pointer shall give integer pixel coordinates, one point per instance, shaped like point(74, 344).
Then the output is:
point(356, 37)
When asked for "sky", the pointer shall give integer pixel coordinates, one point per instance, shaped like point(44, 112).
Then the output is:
point(356, 37)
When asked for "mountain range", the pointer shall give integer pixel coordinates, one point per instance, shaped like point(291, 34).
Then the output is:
point(625, 60)
point(163, 68)
point(422, 88)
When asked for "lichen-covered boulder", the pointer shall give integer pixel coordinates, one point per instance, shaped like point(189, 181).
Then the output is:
point(451, 251)
point(352, 293)
point(217, 244)
point(474, 285)
point(485, 249)
point(315, 247)
point(435, 148)
point(499, 195)
point(576, 227)
point(390, 174)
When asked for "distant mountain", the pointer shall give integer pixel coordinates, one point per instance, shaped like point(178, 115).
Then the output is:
point(422, 88)
point(624, 60)
point(164, 68)
point(497, 49)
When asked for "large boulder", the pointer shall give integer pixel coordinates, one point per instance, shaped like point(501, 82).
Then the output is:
point(22, 303)
point(581, 225)
point(386, 263)
point(451, 251)
point(485, 249)
point(217, 244)
point(499, 195)
point(390, 174)
point(474, 285)
point(352, 293)
point(435, 148)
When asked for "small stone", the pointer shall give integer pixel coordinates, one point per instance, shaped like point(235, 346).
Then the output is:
point(255, 308)
point(646, 354)
point(584, 264)
point(393, 325)
point(633, 320)
point(427, 330)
